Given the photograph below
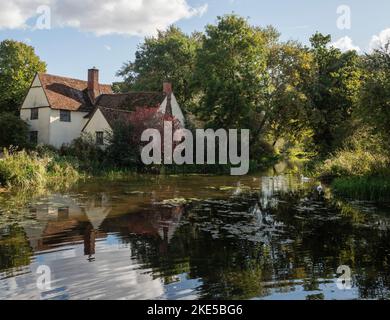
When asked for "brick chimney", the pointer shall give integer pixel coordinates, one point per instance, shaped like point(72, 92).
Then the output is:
point(167, 87)
point(93, 84)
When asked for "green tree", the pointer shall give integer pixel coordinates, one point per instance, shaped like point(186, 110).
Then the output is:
point(231, 74)
point(13, 131)
point(374, 108)
point(169, 56)
point(18, 65)
point(122, 151)
point(333, 91)
point(290, 67)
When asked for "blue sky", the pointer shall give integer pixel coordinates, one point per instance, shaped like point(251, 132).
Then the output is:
point(83, 34)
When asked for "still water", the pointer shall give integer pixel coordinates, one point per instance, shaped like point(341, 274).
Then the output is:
point(193, 237)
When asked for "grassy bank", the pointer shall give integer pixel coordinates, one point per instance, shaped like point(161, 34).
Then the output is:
point(29, 170)
point(363, 188)
point(357, 174)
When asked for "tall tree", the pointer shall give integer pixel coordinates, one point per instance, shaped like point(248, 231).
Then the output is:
point(231, 73)
point(290, 67)
point(333, 91)
point(18, 65)
point(374, 108)
point(168, 56)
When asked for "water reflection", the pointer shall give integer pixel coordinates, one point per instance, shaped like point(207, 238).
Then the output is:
point(195, 238)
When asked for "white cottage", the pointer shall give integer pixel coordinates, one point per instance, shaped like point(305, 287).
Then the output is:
point(59, 109)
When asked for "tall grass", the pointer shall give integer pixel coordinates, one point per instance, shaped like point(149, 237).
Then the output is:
point(23, 170)
point(363, 188)
point(358, 174)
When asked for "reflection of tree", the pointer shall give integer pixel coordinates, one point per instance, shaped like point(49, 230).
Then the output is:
point(322, 237)
point(241, 247)
point(89, 241)
point(15, 251)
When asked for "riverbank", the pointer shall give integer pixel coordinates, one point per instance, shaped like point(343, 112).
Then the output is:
point(47, 167)
point(357, 174)
point(30, 171)
point(363, 188)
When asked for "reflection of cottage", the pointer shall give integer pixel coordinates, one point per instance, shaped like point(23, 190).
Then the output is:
point(59, 109)
point(61, 216)
point(160, 224)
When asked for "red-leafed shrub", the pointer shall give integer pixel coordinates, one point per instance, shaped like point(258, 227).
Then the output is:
point(125, 140)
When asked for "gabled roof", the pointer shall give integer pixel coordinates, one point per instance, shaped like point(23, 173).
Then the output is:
point(115, 115)
point(131, 100)
point(67, 93)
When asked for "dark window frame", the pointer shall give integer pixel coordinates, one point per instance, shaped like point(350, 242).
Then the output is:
point(99, 136)
point(65, 116)
point(34, 113)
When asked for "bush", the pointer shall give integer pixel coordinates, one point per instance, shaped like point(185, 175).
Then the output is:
point(13, 131)
point(20, 169)
point(123, 150)
point(353, 163)
point(84, 150)
point(363, 155)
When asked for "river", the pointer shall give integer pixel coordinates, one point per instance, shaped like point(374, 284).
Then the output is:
point(263, 236)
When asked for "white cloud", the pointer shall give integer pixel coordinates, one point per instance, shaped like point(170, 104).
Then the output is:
point(15, 13)
point(345, 44)
point(102, 17)
point(381, 40)
point(107, 47)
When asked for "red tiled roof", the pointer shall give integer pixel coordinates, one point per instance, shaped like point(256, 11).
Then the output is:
point(131, 100)
point(115, 115)
point(69, 94)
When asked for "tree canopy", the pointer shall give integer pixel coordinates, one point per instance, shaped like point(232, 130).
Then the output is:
point(18, 65)
point(168, 56)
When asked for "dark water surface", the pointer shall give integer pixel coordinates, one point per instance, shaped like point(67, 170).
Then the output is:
point(193, 237)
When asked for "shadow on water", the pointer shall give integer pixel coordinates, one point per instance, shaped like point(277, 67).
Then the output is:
point(194, 237)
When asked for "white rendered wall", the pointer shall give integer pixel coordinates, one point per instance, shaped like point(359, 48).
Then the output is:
point(42, 124)
point(65, 132)
point(98, 123)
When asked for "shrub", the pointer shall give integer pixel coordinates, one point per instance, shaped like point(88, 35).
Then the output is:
point(84, 150)
point(353, 163)
point(123, 150)
point(363, 155)
point(20, 169)
point(13, 131)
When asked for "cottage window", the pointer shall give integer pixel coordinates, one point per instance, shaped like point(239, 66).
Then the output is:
point(34, 137)
point(34, 114)
point(99, 138)
point(65, 116)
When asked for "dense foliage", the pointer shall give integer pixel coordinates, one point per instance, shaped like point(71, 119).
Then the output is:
point(309, 102)
point(13, 131)
point(29, 170)
point(18, 66)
